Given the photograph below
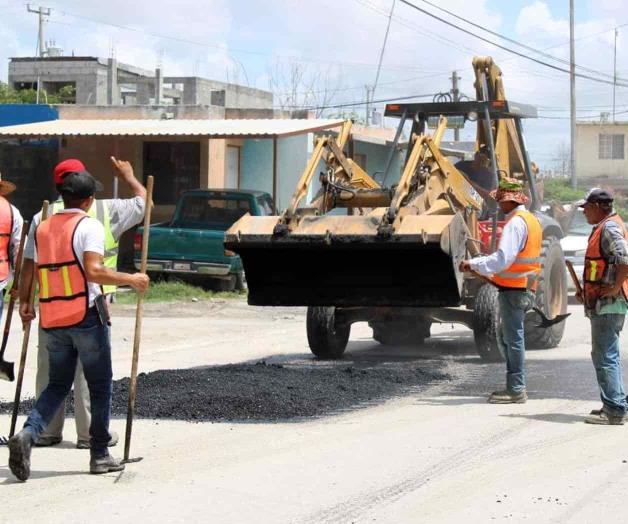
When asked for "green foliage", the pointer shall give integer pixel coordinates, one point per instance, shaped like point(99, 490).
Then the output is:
point(9, 95)
point(561, 190)
point(175, 292)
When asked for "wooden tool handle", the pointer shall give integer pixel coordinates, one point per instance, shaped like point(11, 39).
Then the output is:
point(27, 333)
point(16, 281)
point(138, 321)
point(574, 277)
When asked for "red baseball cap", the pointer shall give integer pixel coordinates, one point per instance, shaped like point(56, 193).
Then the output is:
point(71, 165)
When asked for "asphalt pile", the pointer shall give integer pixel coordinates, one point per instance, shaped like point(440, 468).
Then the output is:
point(262, 392)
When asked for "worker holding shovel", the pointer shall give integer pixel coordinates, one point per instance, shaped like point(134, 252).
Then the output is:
point(605, 296)
point(10, 231)
point(73, 316)
point(117, 215)
point(514, 268)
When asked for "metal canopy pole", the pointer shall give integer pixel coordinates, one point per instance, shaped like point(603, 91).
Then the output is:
point(393, 147)
point(116, 152)
point(275, 173)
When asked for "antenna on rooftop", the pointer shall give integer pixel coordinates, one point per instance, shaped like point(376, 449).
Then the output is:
point(42, 12)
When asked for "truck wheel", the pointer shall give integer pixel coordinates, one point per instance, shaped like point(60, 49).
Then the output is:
point(486, 324)
point(224, 284)
point(327, 338)
point(401, 333)
point(551, 297)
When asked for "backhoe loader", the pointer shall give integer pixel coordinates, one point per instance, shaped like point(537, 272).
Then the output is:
point(392, 259)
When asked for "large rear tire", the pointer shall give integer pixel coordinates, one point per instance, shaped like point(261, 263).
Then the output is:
point(486, 324)
point(551, 297)
point(327, 338)
point(401, 332)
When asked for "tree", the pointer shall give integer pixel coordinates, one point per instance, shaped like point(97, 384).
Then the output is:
point(561, 159)
point(295, 87)
point(8, 95)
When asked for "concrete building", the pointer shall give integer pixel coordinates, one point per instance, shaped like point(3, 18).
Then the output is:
point(601, 152)
point(105, 81)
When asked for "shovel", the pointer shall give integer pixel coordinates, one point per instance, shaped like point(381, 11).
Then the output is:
point(139, 314)
point(545, 321)
point(6, 368)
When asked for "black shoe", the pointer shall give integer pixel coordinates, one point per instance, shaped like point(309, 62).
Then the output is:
point(105, 464)
point(20, 454)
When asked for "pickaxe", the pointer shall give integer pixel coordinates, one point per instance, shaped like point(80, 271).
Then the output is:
point(545, 322)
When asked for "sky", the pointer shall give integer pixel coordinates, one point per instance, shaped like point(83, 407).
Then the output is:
point(334, 47)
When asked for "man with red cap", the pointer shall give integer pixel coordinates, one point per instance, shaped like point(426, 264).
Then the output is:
point(117, 216)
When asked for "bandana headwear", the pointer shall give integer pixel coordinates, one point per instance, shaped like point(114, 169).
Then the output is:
point(510, 190)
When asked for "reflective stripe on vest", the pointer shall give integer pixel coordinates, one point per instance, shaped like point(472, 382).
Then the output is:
point(525, 270)
point(595, 264)
point(6, 228)
point(63, 296)
point(100, 212)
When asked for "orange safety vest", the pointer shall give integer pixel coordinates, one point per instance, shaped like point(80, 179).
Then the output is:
point(6, 229)
point(63, 296)
point(595, 265)
point(524, 272)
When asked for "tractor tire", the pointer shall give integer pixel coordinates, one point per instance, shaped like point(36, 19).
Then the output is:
point(486, 324)
point(327, 339)
point(551, 297)
point(401, 333)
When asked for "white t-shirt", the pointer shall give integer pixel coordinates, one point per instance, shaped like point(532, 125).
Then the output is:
point(89, 236)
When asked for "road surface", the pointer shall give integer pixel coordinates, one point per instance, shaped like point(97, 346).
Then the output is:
point(440, 454)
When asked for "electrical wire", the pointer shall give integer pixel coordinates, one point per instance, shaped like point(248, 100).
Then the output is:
point(512, 51)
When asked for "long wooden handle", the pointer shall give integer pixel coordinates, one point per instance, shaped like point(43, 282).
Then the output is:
point(574, 276)
point(16, 280)
point(27, 334)
point(139, 313)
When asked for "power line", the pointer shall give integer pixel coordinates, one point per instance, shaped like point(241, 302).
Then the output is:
point(513, 51)
point(361, 103)
point(516, 42)
point(230, 50)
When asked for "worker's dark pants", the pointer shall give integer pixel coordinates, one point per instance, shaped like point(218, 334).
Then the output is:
point(89, 341)
point(605, 330)
point(513, 304)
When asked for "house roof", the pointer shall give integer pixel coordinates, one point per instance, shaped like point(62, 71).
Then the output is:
point(245, 128)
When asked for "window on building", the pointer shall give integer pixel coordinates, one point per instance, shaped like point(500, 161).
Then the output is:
point(611, 147)
point(175, 166)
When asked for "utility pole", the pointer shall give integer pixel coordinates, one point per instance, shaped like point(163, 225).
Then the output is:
point(369, 100)
point(614, 73)
point(41, 43)
point(572, 92)
point(455, 92)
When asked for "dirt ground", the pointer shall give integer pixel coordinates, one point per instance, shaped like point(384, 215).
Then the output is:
point(433, 451)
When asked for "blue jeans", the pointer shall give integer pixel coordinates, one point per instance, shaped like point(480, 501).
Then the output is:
point(513, 305)
point(90, 342)
point(605, 331)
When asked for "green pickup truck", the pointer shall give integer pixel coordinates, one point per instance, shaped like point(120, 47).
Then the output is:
point(190, 246)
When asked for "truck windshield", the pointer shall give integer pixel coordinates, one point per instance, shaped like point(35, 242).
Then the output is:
point(210, 212)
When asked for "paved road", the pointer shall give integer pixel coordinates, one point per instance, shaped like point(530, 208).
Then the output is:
point(440, 455)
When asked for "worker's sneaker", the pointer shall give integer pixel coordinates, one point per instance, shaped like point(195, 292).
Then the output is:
point(43, 442)
point(20, 454)
point(84, 444)
point(508, 397)
point(604, 419)
point(105, 464)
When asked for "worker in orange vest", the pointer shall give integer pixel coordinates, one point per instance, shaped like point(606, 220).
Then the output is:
point(11, 223)
point(73, 316)
point(605, 299)
point(514, 268)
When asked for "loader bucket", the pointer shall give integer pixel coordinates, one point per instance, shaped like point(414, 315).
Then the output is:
point(317, 264)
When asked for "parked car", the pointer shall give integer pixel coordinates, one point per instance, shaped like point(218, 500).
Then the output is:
point(190, 245)
point(574, 243)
